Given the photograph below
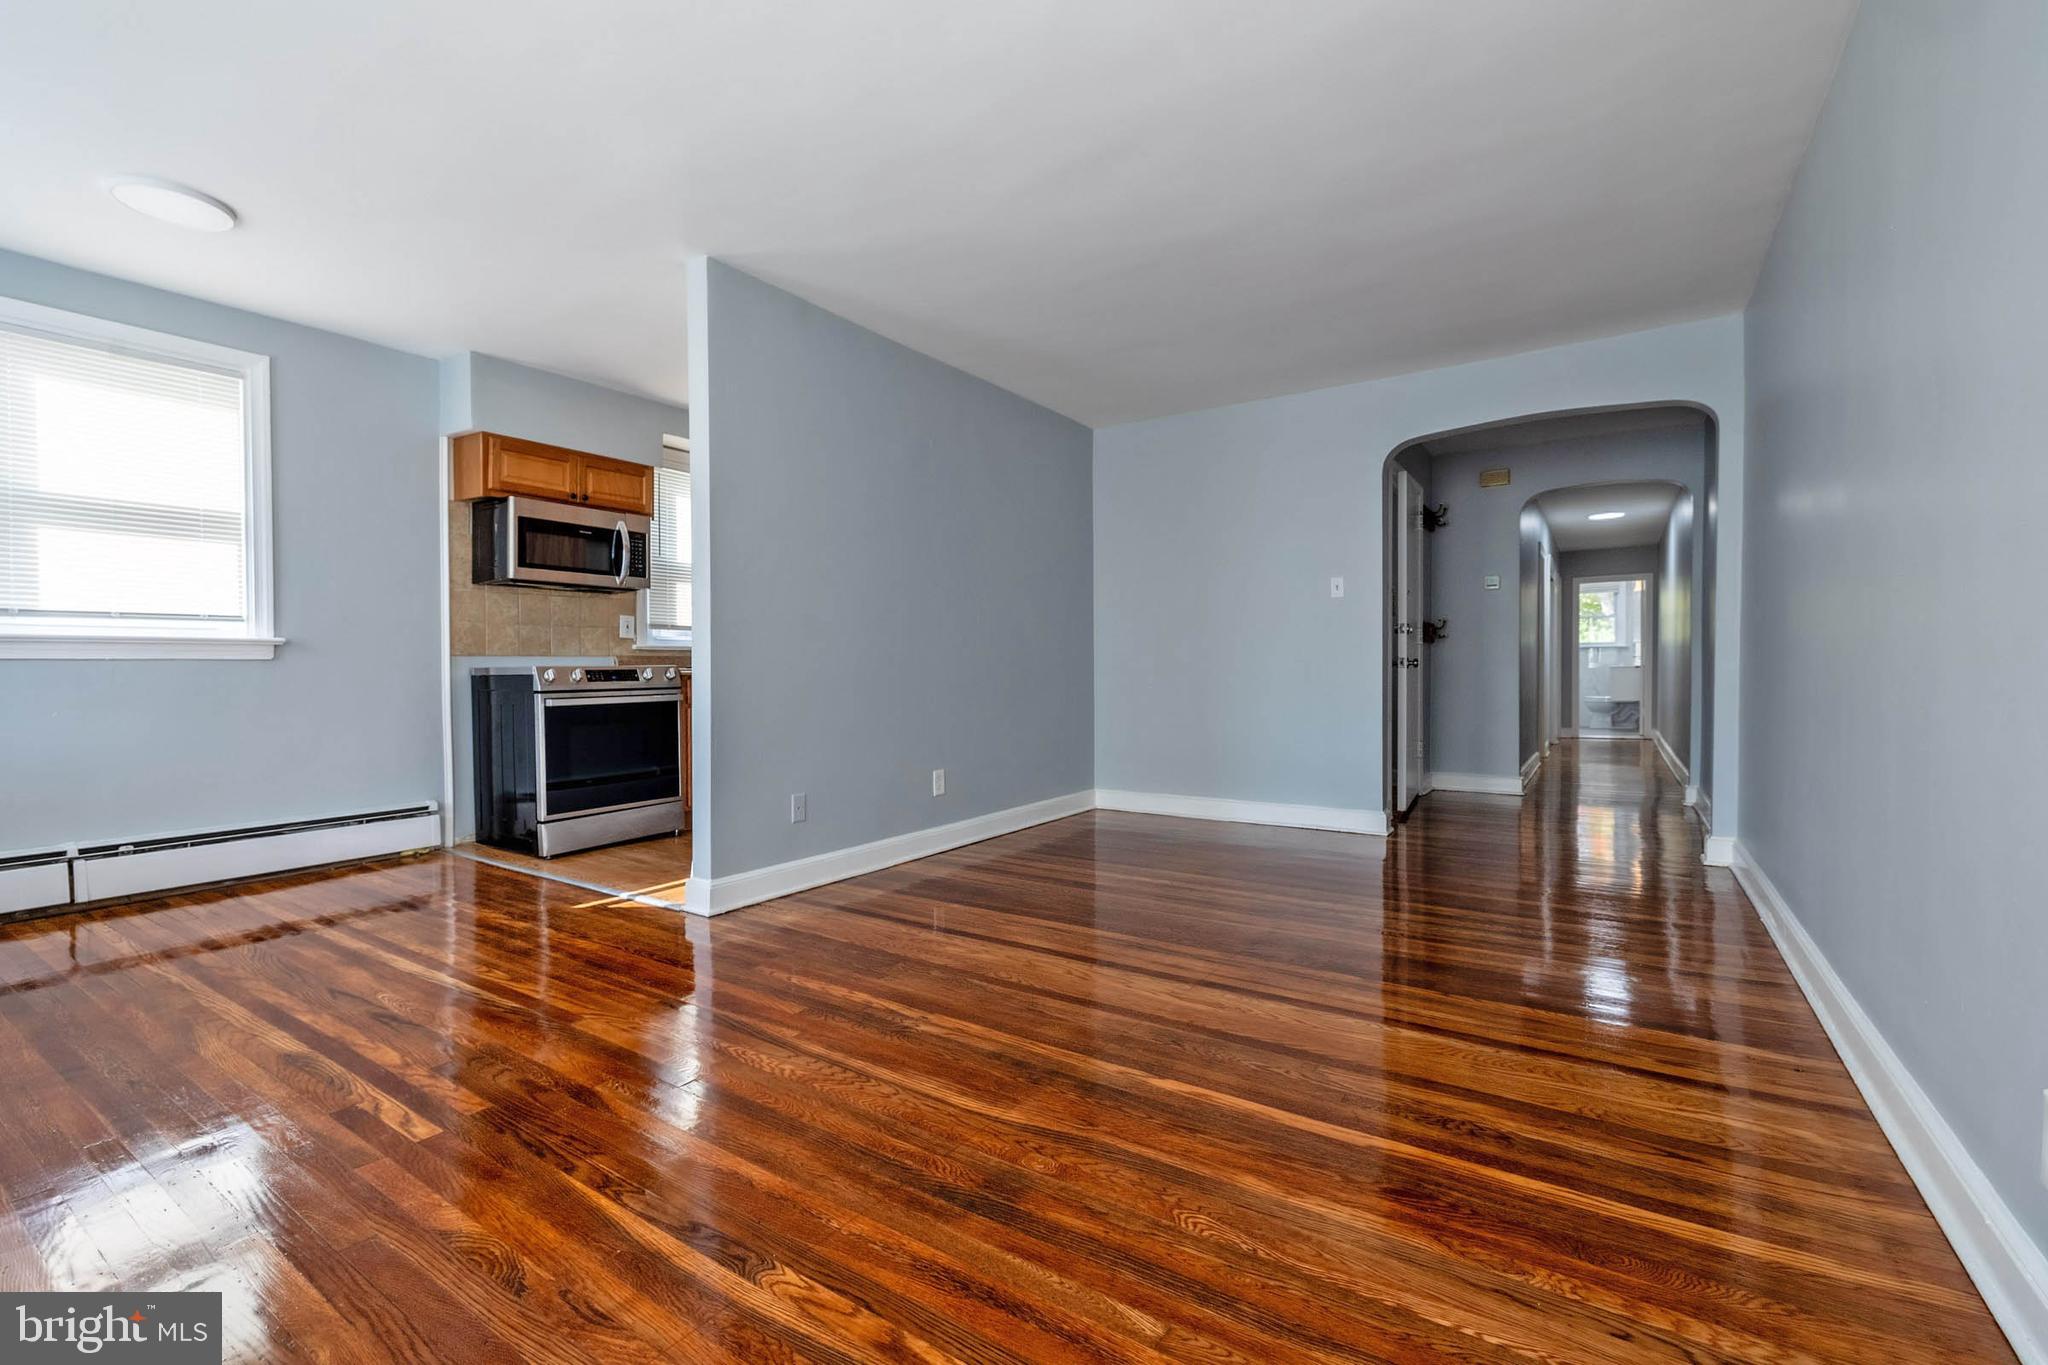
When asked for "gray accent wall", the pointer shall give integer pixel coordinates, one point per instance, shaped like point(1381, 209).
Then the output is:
point(896, 558)
point(1478, 722)
point(347, 716)
point(1892, 760)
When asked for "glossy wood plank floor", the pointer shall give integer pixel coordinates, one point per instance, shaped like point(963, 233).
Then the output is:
point(1532, 1086)
point(655, 869)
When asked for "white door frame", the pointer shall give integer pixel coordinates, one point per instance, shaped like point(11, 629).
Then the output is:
point(1569, 693)
point(1408, 771)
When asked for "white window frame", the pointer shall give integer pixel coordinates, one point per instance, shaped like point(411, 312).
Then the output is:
point(252, 638)
point(646, 636)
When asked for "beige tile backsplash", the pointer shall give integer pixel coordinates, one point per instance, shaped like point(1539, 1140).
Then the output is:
point(527, 621)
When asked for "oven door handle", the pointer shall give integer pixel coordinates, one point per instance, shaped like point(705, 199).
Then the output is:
point(621, 543)
point(616, 699)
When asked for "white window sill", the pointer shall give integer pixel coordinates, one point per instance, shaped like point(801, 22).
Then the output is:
point(138, 647)
point(680, 641)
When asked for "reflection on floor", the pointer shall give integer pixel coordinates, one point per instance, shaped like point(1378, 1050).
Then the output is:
point(650, 869)
point(1524, 1082)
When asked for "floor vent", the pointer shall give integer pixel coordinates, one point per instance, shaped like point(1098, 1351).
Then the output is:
point(139, 866)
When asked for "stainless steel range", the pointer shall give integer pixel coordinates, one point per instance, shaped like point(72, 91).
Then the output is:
point(570, 758)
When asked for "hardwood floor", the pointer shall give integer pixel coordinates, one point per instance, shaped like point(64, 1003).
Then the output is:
point(653, 869)
point(1533, 1086)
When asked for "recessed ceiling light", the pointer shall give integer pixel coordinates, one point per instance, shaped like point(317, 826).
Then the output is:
point(1606, 516)
point(174, 204)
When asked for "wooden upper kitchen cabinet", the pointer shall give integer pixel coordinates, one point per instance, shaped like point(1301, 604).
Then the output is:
point(488, 465)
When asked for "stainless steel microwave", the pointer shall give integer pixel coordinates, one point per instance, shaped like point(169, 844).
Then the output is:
point(534, 543)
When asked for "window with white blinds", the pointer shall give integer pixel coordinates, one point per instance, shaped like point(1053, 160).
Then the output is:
point(667, 611)
point(133, 488)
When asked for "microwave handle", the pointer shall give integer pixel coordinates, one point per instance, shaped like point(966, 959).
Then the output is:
point(621, 545)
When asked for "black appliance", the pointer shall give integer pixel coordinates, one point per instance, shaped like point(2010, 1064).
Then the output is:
point(574, 757)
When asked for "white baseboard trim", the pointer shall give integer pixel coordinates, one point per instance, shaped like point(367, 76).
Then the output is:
point(1664, 751)
point(1476, 782)
point(1339, 818)
point(1532, 767)
point(2010, 1271)
point(1720, 850)
point(717, 895)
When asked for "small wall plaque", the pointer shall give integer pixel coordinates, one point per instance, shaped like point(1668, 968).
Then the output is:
point(1493, 478)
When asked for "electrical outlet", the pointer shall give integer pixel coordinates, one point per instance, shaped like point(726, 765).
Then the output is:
point(938, 782)
point(1336, 587)
point(796, 808)
point(625, 627)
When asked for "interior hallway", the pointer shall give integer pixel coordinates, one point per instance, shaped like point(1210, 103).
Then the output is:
point(1116, 1087)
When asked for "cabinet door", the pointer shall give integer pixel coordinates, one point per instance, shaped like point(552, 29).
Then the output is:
point(536, 470)
point(619, 485)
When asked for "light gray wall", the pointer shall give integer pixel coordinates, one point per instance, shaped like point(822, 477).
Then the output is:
point(1223, 667)
point(897, 561)
point(1477, 720)
point(1892, 763)
point(486, 393)
point(1620, 562)
point(1674, 629)
point(107, 750)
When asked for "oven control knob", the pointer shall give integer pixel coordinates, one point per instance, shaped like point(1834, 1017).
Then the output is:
point(547, 675)
point(576, 676)
point(646, 675)
point(670, 675)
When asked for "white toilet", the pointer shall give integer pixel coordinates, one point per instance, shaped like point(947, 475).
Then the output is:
point(1624, 686)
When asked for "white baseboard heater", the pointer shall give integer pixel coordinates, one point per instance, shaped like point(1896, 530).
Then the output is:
point(139, 866)
point(29, 881)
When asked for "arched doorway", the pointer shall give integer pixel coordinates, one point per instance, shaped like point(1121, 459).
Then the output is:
point(1473, 499)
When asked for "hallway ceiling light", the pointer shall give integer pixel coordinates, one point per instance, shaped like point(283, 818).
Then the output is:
point(173, 204)
point(1606, 516)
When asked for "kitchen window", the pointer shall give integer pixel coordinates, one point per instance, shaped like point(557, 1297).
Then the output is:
point(134, 492)
point(665, 602)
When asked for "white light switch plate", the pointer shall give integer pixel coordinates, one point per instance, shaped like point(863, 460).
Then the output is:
point(938, 782)
point(796, 808)
point(1336, 587)
point(625, 627)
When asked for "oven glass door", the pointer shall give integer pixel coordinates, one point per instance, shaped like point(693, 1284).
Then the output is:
point(565, 547)
point(605, 752)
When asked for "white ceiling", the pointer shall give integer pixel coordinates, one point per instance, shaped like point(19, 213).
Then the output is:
point(1645, 508)
point(1119, 208)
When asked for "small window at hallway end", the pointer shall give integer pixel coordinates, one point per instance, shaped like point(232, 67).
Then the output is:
point(1493, 478)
